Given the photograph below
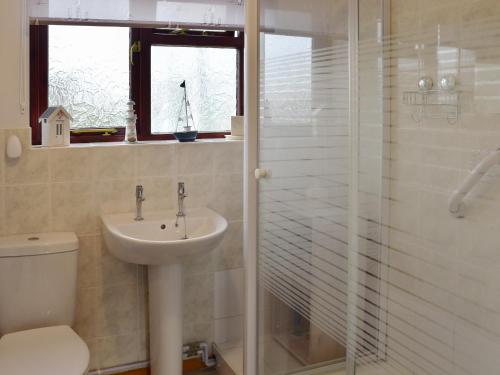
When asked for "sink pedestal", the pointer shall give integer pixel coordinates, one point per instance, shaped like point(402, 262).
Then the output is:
point(157, 242)
point(165, 319)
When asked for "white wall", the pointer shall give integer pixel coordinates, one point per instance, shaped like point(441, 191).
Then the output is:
point(10, 41)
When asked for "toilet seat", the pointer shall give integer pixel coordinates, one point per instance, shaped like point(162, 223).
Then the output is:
point(44, 351)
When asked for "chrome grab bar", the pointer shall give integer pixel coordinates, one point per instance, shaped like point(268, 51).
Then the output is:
point(456, 203)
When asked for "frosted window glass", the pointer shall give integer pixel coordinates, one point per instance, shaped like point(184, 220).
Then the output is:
point(89, 74)
point(210, 75)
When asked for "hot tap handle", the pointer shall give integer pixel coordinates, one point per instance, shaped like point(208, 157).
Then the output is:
point(181, 189)
point(139, 192)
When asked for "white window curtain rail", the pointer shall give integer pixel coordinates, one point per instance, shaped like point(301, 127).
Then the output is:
point(227, 14)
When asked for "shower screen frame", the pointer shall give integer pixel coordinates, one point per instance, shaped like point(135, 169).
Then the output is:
point(251, 163)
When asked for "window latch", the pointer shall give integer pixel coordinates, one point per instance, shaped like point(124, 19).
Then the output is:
point(134, 48)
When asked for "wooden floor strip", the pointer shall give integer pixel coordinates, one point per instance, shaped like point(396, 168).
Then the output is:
point(141, 371)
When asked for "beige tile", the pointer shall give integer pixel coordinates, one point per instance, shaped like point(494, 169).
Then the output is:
point(86, 313)
point(198, 189)
point(157, 160)
point(195, 158)
point(89, 262)
point(143, 349)
point(115, 196)
point(198, 264)
point(229, 254)
point(71, 164)
point(476, 11)
point(198, 298)
point(27, 209)
point(117, 310)
point(114, 271)
point(227, 198)
point(193, 332)
point(228, 157)
point(160, 193)
point(142, 299)
point(2, 156)
point(73, 207)
point(118, 350)
point(2, 209)
point(32, 167)
point(115, 162)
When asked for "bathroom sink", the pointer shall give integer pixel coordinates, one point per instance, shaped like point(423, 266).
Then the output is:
point(157, 241)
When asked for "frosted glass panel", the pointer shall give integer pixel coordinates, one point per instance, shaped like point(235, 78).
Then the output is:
point(210, 75)
point(303, 216)
point(89, 74)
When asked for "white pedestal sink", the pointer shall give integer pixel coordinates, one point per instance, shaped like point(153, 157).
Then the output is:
point(158, 243)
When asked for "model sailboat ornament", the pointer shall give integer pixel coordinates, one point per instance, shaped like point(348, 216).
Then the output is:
point(185, 130)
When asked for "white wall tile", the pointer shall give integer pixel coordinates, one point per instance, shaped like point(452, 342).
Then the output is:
point(82, 182)
point(228, 329)
point(27, 209)
point(228, 293)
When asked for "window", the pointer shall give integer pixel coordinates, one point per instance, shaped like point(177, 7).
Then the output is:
point(210, 74)
point(89, 74)
point(93, 71)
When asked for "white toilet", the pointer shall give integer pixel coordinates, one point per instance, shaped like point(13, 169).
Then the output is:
point(37, 306)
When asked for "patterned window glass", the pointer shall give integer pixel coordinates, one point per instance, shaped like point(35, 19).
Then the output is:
point(89, 74)
point(210, 75)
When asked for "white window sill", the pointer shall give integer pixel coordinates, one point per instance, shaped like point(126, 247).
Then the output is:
point(140, 143)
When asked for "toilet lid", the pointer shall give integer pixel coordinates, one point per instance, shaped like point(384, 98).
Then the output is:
point(43, 351)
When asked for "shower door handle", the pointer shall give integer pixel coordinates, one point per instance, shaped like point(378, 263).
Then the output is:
point(262, 173)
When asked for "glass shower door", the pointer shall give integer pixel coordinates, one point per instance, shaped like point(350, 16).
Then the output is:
point(303, 220)
point(361, 265)
point(319, 212)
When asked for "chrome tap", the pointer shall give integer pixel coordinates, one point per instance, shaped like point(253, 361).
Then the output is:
point(139, 198)
point(181, 194)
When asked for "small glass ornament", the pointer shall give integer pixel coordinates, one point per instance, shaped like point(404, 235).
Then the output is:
point(131, 130)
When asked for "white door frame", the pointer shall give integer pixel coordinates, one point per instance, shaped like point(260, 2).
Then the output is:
point(250, 196)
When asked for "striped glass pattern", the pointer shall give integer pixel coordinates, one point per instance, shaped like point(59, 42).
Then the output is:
point(303, 218)
point(359, 258)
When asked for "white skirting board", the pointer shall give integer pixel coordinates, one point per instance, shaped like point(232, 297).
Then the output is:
point(120, 369)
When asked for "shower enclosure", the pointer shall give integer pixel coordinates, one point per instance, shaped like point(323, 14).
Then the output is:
point(353, 262)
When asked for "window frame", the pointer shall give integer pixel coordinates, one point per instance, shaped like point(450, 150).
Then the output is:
point(141, 70)
point(140, 78)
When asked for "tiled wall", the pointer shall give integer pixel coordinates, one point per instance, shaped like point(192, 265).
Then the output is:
point(229, 304)
point(444, 299)
point(66, 189)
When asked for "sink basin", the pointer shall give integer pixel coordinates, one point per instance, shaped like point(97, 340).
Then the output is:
point(157, 241)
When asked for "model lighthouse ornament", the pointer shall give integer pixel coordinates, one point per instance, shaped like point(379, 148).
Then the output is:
point(131, 130)
point(185, 130)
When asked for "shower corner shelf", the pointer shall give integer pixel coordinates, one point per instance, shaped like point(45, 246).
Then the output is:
point(433, 104)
